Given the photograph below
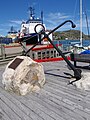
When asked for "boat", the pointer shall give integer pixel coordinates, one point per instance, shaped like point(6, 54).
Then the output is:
point(27, 28)
point(80, 53)
point(12, 33)
point(27, 37)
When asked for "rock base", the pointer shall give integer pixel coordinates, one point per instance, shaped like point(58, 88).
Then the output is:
point(84, 82)
point(23, 75)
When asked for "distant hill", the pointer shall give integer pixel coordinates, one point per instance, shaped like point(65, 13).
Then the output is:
point(69, 35)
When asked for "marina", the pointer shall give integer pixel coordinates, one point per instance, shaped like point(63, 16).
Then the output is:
point(42, 80)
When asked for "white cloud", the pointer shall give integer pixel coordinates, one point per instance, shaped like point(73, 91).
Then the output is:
point(58, 15)
point(55, 19)
point(16, 21)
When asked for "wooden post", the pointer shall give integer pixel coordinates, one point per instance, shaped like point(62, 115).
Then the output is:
point(3, 51)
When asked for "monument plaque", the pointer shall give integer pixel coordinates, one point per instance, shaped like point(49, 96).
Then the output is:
point(15, 63)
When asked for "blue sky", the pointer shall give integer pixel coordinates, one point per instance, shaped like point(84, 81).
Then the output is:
point(13, 12)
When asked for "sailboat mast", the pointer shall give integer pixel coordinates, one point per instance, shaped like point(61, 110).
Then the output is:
point(81, 22)
point(86, 19)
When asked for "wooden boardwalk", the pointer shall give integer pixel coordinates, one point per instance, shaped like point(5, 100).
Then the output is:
point(55, 101)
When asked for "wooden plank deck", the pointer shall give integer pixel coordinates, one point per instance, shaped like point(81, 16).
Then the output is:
point(55, 101)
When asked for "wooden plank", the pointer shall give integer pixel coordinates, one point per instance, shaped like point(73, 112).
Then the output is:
point(63, 94)
point(16, 111)
point(3, 115)
point(8, 111)
point(73, 94)
point(77, 95)
point(66, 103)
point(46, 108)
point(20, 105)
point(57, 104)
point(46, 102)
point(40, 109)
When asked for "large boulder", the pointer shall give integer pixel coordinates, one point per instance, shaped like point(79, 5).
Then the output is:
point(23, 75)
